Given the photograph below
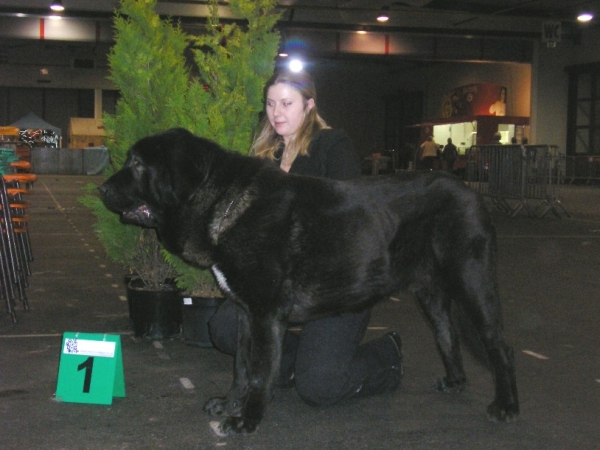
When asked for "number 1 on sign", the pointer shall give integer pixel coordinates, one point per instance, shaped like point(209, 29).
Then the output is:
point(88, 365)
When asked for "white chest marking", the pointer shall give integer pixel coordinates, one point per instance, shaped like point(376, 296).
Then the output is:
point(220, 276)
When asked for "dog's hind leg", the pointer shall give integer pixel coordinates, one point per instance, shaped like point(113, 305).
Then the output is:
point(505, 406)
point(436, 307)
point(479, 300)
point(482, 306)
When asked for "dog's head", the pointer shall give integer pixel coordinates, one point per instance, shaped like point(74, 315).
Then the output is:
point(161, 173)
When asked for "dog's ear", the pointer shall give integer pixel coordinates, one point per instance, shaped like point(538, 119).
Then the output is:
point(175, 164)
point(150, 163)
point(190, 163)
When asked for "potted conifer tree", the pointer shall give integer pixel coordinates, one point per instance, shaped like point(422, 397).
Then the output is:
point(216, 94)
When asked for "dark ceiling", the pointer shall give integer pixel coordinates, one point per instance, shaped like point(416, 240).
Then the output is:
point(450, 14)
point(548, 9)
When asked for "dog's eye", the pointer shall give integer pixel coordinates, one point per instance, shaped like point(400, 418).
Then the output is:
point(136, 165)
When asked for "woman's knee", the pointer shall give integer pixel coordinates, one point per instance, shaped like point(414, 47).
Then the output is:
point(322, 387)
point(222, 328)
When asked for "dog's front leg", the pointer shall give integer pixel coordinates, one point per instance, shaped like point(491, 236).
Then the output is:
point(231, 404)
point(259, 370)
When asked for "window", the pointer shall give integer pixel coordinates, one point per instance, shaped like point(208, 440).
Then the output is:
point(583, 129)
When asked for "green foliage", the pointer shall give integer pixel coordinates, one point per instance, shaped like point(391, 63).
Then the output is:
point(148, 66)
point(118, 240)
point(149, 261)
point(216, 93)
point(234, 64)
point(192, 280)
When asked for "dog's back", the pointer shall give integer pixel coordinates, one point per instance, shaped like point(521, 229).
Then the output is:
point(351, 243)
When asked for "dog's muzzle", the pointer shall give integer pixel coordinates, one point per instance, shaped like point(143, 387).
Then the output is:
point(131, 211)
point(139, 216)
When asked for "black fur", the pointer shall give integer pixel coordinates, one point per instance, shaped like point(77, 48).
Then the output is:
point(289, 248)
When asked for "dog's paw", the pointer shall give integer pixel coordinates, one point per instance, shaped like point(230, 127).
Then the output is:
point(216, 428)
point(450, 387)
point(502, 413)
point(222, 406)
point(236, 425)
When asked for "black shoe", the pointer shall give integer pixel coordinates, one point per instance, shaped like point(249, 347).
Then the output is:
point(286, 382)
point(387, 380)
point(395, 337)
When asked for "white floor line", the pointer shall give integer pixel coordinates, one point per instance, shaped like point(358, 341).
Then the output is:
point(45, 335)
point(524, 236)
point(535, 355)
point(186, 383)
point(58, 205)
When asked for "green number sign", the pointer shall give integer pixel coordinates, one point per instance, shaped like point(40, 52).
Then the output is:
point(90, 369)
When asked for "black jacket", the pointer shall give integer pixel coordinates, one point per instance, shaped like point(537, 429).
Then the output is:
point(330, 155)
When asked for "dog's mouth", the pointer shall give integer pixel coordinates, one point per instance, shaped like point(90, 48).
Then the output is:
point(141, 216)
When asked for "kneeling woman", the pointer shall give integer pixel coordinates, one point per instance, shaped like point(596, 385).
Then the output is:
point(326, 361)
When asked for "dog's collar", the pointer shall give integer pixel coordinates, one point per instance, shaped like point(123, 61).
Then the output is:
point(221, 222)
point(220, 227)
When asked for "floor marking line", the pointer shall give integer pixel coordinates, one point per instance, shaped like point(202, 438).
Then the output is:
point(58, 205)
point(17, 336)
point(524, 236)
point(186, 383)
point(535, 355)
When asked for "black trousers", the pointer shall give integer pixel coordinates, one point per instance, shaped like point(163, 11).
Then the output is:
point(428, 162)
point(326, 360)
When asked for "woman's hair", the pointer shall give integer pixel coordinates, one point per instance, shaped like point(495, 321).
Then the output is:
point(267, 142)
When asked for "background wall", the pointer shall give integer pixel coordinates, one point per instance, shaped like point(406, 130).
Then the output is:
point(352, 90)
point(550, 85)
point(352, 94)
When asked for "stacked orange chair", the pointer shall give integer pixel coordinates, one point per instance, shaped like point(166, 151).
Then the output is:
point(15, 245)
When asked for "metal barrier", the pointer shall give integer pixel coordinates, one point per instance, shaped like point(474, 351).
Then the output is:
point(513, 175)
point(584, 168)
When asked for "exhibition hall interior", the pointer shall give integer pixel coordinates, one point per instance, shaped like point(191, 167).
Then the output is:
point(513, 84)
point(380, 80)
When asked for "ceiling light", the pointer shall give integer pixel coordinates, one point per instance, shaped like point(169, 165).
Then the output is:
point(296, 65)
point(361, 30)
point(585, 17)
point(383, 15)
point(57, 5)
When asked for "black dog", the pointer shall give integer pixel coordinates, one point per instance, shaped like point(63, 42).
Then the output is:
point(288, 248)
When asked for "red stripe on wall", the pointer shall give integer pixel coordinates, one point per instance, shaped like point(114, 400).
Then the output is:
point(387, 44)
point(42, 24)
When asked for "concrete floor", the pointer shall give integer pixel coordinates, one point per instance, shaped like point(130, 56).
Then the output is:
point(548, 275)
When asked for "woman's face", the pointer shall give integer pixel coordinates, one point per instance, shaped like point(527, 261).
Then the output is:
point(285, 109)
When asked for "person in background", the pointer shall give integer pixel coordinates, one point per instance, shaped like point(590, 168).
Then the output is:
point(499, 107)
point(496, 138)
point(406, 156)
point(429, 152)
point(326, 361)
point(450, 154)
